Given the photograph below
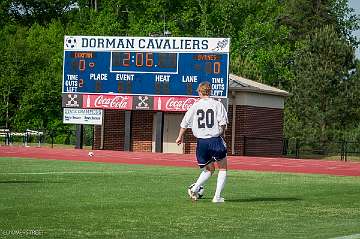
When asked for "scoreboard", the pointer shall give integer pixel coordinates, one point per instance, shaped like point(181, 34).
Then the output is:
point(151, 68)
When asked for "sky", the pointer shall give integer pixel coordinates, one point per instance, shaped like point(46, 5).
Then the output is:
point(355, 4)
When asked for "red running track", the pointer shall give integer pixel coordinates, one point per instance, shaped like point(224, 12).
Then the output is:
point(339, 168)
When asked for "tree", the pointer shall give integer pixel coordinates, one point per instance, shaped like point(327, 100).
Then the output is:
point(39, 101)
point(28, 12)
point(304, 17)
point(13, 69)
point(261, 50)
point(321, 85)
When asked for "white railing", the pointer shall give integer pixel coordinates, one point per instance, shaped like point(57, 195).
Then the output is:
point(7, 134)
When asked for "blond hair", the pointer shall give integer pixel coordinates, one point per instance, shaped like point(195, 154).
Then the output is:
point(204, 88)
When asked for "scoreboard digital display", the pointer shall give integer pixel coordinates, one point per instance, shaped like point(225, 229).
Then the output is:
point(145, 66)
point(144, 62)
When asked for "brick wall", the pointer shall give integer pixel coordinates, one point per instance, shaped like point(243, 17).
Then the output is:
point(114, 131)
point(259, 129)
point(97, 137)
point(189, 142)
point(142, 129)
point(114, 121)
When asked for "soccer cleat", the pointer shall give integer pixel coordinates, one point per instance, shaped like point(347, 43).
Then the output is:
point(193, 195)
point(200, 191)
point(218, 200)
point(189, 192)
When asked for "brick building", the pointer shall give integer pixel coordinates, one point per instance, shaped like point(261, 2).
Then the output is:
point(255, 113)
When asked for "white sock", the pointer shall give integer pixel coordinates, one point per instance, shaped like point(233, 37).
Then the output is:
point(220, 183)
point(204, 176)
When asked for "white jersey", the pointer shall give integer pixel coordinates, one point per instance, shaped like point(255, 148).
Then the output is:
point(205, 118)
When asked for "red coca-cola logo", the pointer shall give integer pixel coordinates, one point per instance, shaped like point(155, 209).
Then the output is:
point(118, 102)
point(176, 104)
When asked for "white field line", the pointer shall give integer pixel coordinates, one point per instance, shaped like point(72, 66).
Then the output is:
point(354, 236)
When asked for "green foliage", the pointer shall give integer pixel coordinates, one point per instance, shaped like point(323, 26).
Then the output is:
point(304, 17)
point(40, 101)
point(322, 83)
point(13, 56)
point(262, 52)
point(28, 12)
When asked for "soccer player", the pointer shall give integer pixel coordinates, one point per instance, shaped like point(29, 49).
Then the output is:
point(207, 119)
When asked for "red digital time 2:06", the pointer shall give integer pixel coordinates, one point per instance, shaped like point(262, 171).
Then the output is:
point(144, 59)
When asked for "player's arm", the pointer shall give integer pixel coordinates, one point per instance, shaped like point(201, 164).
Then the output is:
point(222, 128)
point(222, 119)
point(180, 138)
point(185, 123)
point(222, 115)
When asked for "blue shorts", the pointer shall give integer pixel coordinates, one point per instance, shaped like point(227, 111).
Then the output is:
point(210, 150)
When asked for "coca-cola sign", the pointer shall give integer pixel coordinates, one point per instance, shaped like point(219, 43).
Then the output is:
point(119, 102)
point(130, 102)
point(174, 103)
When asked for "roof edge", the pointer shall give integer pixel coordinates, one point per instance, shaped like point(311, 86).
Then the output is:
point(255, 87)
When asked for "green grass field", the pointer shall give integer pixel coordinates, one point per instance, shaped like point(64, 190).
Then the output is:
point(67, 199)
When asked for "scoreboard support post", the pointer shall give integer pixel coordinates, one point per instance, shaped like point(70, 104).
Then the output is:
point(102, 136)
point(79, 136)
point(127, 138)
point(159, 119)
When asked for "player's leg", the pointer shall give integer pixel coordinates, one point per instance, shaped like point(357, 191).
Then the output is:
point(206, 173)
point(221, 179)
point(220, 152)
point(206, 163)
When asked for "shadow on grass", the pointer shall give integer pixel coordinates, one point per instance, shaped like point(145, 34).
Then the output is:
point(264, 199)
point(27, 182)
